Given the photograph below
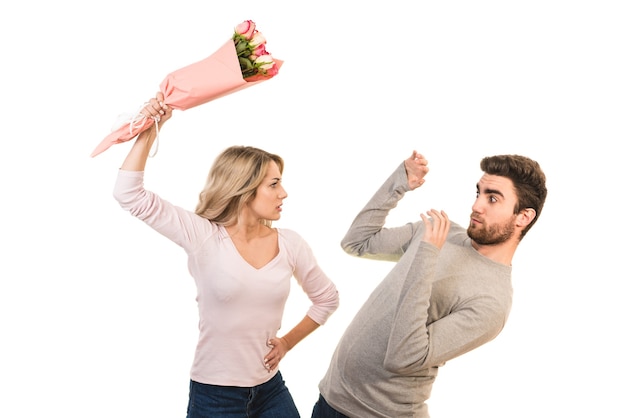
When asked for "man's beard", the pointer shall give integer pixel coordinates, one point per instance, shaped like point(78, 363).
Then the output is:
point(492, 235)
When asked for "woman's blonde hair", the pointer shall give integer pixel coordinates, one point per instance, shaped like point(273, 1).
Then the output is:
point(233, 181)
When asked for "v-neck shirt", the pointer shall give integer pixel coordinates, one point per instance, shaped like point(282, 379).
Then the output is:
point(240, 307)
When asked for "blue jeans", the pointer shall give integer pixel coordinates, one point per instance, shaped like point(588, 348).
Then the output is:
point(268, 400)
point(323, 410)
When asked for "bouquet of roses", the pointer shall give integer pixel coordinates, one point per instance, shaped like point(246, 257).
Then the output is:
point(241, 62)
point(254, 60)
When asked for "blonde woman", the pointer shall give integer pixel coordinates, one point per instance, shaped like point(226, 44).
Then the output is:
point(242, 267)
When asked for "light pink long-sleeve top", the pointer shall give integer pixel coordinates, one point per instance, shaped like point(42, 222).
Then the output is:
point(240, 307)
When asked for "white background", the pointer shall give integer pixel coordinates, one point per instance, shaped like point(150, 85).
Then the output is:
point(97, 312)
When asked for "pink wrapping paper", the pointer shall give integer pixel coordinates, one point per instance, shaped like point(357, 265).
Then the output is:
point(216, 76)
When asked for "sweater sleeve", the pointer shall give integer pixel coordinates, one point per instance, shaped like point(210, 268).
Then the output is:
point(183, 227)
point(367, 236)
point(408, 345)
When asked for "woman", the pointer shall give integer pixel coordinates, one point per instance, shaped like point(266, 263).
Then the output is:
point(242, 268)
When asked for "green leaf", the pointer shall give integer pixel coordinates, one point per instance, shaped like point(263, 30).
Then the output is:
point(245, 64)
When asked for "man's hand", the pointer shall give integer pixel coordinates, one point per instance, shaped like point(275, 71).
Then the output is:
point(416, 167)
point(437, 227)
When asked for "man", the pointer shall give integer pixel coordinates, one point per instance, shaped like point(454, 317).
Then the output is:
point(450, 291)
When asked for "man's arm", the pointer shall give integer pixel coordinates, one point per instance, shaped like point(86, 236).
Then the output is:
point(367, 236)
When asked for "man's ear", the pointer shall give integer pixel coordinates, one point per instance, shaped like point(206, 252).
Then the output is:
point(525, 217)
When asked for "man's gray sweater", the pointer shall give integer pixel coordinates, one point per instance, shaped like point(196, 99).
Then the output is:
point(433, 306)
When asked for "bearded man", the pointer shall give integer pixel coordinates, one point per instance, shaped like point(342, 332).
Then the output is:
point(449, 292)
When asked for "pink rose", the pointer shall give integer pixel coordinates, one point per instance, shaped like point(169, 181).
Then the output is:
point(246, 29)
point(257, 39)
point(265, 64)
point(259, 50)
point(272, 71)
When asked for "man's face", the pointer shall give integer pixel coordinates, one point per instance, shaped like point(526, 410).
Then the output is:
point(492, 220)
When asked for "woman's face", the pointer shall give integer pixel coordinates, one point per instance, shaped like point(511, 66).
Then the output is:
point(267, 204)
